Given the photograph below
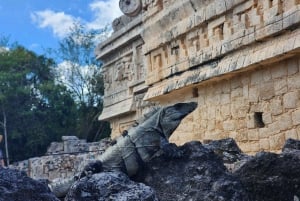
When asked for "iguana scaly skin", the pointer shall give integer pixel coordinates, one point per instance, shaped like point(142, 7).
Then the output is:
point(139, 144)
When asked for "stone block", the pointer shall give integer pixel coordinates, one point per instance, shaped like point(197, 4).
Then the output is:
point(274, 128)
point(241, 124)
point(292, 66)
point(239, 108)
point(266, 73)
point(253, 134)
point(298, 131)
point(271, 15)
point(291, 17)
point(211, 112)
point(264, 144)
point(290, 100)
point(250, 121)
point(291, 134)
point(229, 125)
point(285, 121)
point(277, 142)
point(256, 77)
point(294, 82)
point(266, 91)
point(245, 91)
point(254, 147)
point(254, 18)
point(220, 7)
point(203, 113)
point(226, 87)
point(276, 106)
point(238, 92)
point(245, 147)
point(296, 117)
point(278, 71)
point(210, 11)
point(233, 134)
point(242, 136)
point(280, 86)
point(242, 7)
point(211, 125)
point(267, 118)
point(226, 111)
point(225, 99)
point(253, 94)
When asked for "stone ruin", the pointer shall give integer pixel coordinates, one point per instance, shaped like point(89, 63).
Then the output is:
point(199, 175)
point(63, 159)
point(239, 59)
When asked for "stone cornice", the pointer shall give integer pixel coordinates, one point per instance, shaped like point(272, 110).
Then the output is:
point(254, 56)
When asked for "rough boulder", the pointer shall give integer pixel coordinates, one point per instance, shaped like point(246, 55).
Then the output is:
point(16, 186)
point(110, 186)
point(272, 177)
point(199, 175)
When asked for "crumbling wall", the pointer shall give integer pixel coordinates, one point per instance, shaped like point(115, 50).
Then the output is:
point(63, 159)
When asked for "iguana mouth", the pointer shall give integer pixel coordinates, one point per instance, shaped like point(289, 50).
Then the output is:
point(185, 108)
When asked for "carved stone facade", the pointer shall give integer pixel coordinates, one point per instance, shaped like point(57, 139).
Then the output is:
point(239, 59)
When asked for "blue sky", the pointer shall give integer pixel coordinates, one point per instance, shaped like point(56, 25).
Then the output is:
point(39, 24)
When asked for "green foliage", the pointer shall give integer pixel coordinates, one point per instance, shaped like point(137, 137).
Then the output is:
point(41, 101)
point(37, 110)
point(81, 74)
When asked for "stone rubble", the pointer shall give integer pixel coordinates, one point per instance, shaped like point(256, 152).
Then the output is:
point(200, 175)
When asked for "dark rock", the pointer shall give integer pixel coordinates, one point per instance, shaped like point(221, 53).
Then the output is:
point(110, 186)
point(271, 177)
point(17, 186)
point(227, 149)
point(291, 145)
point(199, 175)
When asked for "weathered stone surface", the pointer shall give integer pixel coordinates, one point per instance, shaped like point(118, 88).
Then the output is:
point(227, 149)
point(110, 186)
point(63, 159)
point(199, 175)
point(270, 176)
point(179, 47)
point(16, 186)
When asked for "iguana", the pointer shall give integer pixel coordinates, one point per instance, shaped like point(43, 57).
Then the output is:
point(139, 144)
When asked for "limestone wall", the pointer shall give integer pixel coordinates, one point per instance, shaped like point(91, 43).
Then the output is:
point(239, 59)
point(63, 159)
point(260, 109)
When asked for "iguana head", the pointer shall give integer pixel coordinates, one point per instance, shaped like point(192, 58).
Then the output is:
point(171, 116)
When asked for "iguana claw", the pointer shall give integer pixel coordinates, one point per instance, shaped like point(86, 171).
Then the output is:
point(90, 169)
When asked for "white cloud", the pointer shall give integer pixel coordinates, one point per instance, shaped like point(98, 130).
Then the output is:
point(104, 12)
point(59, 22)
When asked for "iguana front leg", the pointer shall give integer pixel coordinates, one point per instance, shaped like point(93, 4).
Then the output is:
point(170, 150)
point(91, 168)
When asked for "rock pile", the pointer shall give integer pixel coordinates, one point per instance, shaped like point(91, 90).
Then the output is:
point(110, 186)
point(199, 175)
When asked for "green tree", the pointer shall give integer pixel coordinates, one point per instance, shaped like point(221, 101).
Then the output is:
point(35, 111)
point(80, 72)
